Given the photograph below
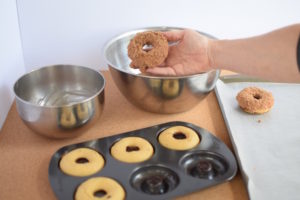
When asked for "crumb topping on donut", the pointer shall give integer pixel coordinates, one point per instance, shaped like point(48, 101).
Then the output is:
point(255, 100)
point(144, 58)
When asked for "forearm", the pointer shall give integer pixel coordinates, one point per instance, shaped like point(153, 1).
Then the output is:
point(270, 56)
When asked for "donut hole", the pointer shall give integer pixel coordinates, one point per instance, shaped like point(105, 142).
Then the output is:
point(155, 185)
point(204, 165)
point(179, 136)
point(147, 47)
point(257, 96)
point(154, 180)
point(82, 160)
point(100, 193)
point(132, 148)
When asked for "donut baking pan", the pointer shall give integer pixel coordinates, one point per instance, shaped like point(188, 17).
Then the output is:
point(166, 174)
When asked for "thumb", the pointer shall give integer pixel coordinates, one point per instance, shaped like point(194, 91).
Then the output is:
point(161, 71)
point(174, 35)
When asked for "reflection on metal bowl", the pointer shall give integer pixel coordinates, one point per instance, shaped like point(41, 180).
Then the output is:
point(152, 93)
point(60, 101)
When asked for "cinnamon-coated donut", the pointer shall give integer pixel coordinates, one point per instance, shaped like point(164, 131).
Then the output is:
point(255, 100)
point(142, 59)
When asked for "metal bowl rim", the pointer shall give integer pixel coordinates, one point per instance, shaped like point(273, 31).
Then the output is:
point(66, 105)
point(162, 28)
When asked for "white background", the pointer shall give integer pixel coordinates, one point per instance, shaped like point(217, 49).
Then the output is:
point(11, 58)
point(74, 31)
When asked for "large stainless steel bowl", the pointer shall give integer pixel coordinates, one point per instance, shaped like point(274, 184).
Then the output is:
point(155, 94)
point(60, 101)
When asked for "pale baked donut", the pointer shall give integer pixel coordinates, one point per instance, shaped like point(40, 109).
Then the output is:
point(255, 100)
point(107, 187)
point(143, 59)
point(132, 150)
point(179, 138)
point(81, 162)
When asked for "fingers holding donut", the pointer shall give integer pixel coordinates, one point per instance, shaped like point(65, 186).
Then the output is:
point(189, 56)
point(173, 36)
point(162, 71)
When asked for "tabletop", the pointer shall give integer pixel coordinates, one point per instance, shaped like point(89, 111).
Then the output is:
point(25, 156)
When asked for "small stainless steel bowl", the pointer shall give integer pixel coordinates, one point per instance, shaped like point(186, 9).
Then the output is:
point(152, 93)
point(60, 101)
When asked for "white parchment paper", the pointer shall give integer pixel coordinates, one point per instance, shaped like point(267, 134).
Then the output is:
point(267, 146)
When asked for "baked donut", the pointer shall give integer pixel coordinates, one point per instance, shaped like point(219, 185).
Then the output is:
point(143, 59)
point(132, 150)
point(100, 188)
point(255, 100)
point(81, 162)
point(179, 138)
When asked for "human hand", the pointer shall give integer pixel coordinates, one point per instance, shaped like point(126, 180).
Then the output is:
point(190, 56)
